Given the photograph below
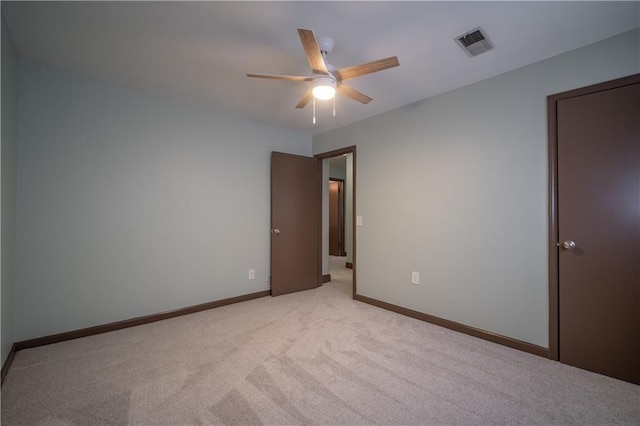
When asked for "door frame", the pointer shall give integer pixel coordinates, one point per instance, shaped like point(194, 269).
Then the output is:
point(336, 153)
point(554, 249)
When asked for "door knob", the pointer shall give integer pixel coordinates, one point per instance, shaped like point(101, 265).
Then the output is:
point(569, 245)
point(275, 231)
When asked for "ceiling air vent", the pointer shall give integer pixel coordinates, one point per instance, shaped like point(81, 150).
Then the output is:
point(474, 42)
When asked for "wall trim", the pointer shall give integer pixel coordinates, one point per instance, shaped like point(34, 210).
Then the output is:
point(326, 278)
point(119, 325)
point(461, 328)
point(7, 362)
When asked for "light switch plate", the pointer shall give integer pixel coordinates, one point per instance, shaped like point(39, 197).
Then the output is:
point(359, 220)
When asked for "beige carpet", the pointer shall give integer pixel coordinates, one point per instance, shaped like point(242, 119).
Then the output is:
point(315, 357)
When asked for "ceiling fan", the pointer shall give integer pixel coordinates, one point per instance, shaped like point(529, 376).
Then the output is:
point(326, 79)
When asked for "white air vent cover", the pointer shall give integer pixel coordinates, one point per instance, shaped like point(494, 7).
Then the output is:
point(474, 42)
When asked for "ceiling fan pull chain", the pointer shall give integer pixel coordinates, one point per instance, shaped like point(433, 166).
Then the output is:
point(334, 106)
point(314, 110)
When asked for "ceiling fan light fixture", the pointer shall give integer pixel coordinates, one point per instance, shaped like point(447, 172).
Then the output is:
point(324, 88)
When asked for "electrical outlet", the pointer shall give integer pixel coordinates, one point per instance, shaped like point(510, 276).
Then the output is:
point(415, 278)
point(252, 274)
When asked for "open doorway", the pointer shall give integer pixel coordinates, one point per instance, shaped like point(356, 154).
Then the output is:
point(337, 209)
point(338, 218)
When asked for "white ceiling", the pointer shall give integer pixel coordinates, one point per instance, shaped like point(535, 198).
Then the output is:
point(199, 52)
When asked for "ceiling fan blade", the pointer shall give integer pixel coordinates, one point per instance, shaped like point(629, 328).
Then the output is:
point(348, 73)
point(281, 77)
point(314, 56)
point(352, 93)
point(305, 99)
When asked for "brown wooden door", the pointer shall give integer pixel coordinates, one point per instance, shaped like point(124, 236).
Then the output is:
point(295, 223)
point(598, 137)
point(336, 218)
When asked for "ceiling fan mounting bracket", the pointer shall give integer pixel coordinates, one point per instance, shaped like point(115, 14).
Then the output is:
point(325, 44)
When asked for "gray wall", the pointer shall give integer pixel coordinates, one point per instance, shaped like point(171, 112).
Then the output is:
point(338, 167)
point(8, 177)
point(131, 204)
point(455, 187)
point(348, 208)
point(325, 215)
